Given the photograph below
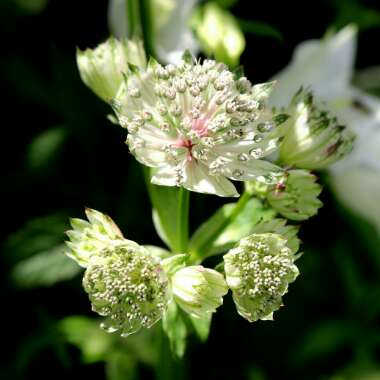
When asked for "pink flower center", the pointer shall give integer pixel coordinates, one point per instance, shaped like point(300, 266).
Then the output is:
point(200, 126)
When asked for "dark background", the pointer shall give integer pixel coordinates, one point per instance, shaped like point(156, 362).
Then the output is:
point(60, 153)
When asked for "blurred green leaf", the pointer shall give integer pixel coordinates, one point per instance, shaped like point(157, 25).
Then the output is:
point(226, 3)
point(45, 269)
point(44, 148)
point(201, 326)
point(31, 6)
point(39, 234)
point(325, 339)
point(175, 328)
point(354, 11)
point(120, 366)
point(261, 29)
point(85, 333)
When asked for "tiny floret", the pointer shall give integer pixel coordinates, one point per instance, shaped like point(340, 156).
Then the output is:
point(258, 271)
point(198, 126)
point(198, 290)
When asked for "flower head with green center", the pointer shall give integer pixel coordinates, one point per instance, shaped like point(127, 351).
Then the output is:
point(312, 138)
point(124, 281)
point(258, 271)
point(197, 125)
point(128, 286)
point(198, 290)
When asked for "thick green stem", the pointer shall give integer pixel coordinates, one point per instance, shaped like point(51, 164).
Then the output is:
point(183, 219)
point(202, 252)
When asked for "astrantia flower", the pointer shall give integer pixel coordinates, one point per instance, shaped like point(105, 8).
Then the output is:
point(198, 290)
point(128, 286)
point(197, 125)
point(124, 281)
point(313, 139)
point(258, 271)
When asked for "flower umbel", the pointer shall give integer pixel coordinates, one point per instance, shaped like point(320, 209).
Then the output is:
point(197, 125)
point(124, 281)
point(258, 271)
point(127, 285)
point(197, 290)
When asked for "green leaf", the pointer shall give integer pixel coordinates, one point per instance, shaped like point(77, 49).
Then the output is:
point(85, 333)
point(45, 268)
point(201, 326)
point(261, 29)
point(219, 233)
point(175, 328)
point(45, 147)
point(121, 366)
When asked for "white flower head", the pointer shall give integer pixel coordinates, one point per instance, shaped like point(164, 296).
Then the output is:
point(258, 271)
point(198, 126)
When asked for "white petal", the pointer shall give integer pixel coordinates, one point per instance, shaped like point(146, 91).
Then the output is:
point(164, 176)
point(325, 65)
point(197, 178)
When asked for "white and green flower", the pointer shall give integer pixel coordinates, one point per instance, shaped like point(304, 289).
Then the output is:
point(258, 271)
point(198, 126)
point(124, 281)
point(198, 290)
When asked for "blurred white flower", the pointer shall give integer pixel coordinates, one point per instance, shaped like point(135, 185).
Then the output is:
point(171, 32)
point(326, 66)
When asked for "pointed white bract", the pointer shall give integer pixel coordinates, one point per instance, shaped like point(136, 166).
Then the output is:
point(197, 126)
point(258, 271)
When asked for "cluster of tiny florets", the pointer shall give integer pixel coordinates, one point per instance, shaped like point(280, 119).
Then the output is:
point(264, 266)
point(195, 112)
point(128, 286)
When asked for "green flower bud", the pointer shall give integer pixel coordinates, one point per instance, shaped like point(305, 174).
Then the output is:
point(313, 139)
point(296, 196)
point(102, 69)
point(198, 290)
point(126, 284)
point(90, 238)
point(258, 271)
point(219, 34)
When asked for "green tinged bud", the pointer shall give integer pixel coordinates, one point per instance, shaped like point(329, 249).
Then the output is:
point(258, 271)
point(102, 68)
point(296, 196)
point(219, 34)
point(90, 238)
point(197, 290)
point(312, 138)
point(128, 286)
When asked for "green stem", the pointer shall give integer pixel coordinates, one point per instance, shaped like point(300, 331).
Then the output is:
point(134, 19)
point(183, 219)
point(202, 252)
point(147, 24)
